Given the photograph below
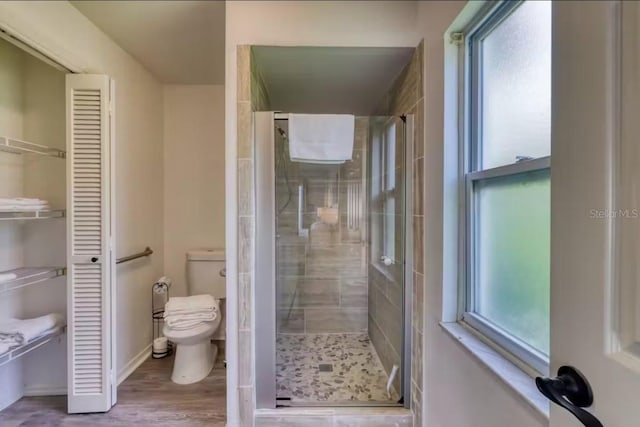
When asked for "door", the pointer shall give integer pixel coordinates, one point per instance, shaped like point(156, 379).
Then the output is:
point(90, 261)
point(595, 205)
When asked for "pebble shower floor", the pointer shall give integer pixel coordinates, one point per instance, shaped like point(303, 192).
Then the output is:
point(356, 373)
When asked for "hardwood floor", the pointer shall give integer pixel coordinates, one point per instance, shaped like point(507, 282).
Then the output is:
point(146, 398)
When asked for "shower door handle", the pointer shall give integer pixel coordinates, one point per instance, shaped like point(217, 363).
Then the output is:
point(302, 232)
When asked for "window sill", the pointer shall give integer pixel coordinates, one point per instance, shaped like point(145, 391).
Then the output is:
point(511, 375)
point(383, 269)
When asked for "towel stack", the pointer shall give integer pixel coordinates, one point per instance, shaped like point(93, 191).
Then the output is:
point(16, 332)
point(21, 204)
point(7, 277)
point(183, 313)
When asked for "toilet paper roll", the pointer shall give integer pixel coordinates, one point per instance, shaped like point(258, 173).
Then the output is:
point(160, 345)
point(162, 285)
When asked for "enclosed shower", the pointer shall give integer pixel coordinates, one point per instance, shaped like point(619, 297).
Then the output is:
point(335, 272)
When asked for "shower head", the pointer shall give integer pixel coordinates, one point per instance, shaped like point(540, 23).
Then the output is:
point(281, 132)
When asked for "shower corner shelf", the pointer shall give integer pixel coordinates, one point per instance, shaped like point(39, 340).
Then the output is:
point(19, 215)
point(29, 276)
point(20, 351)
point(16, 146)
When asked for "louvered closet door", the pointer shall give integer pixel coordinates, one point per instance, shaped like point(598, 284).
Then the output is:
point(89, 257)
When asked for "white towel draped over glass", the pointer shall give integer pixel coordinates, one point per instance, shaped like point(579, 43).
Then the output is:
point(321, 138)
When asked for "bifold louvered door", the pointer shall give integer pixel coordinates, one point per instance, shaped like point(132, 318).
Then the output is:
point(89, 256)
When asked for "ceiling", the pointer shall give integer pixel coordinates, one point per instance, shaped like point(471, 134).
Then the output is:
point(338, 80)
point(180, 42)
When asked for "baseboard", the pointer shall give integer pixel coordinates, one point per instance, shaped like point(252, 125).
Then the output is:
point(123, 375)
point(45, 391)
point(134, 363)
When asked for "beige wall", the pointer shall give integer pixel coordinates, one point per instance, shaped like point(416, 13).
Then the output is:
point(32, 107)
point(460, 391)
point(139, 152)
point(11, 185)
point(193, 174)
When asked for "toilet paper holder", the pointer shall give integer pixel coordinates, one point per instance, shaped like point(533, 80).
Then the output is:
point(161, 347)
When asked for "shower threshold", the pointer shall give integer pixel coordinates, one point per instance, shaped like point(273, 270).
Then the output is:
point(301, 404)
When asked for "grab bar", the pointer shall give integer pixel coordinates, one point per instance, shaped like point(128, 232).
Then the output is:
point(147, 251)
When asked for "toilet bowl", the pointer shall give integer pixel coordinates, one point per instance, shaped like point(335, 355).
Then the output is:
point(195, 355)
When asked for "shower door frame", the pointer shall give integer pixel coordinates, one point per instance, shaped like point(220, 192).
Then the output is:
point(265, 264)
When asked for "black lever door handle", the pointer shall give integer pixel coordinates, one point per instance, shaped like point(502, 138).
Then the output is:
point(571, 390)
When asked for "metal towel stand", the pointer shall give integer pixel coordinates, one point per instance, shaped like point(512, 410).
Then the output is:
point(147, 251)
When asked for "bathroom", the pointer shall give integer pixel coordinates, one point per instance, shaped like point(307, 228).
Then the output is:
point(167, 192)
point(177, 250)
point(356, 259)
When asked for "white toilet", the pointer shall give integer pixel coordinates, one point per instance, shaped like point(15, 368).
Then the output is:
point(195, 355)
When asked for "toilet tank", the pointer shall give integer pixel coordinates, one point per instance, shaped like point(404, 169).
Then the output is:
point(203, 272)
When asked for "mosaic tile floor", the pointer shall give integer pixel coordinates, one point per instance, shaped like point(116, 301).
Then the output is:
point(357, 374)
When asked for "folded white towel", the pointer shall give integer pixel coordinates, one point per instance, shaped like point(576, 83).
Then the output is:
point(19, 203)
point(174, 320)
point(321, 138)
point(24, 200)
point(25, 208)
point(192, 303)
point(5, 277)
point(22, 331)
point(188, 312)
point(184, 325)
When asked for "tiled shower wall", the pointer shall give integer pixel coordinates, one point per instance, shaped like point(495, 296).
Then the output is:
point(252, 96)
point(408, 98)
point(385, 290)
point(321, 274)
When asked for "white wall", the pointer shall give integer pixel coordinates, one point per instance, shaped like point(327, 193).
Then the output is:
point(460, 392)
point(286, 23)
point(194, 174)
point(32, 108)
point(11, 185)
point(139, 153)
point(45, 241)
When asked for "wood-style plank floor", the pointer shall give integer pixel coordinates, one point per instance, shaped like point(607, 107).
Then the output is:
point(146, 398)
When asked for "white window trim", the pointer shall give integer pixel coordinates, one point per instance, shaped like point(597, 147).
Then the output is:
point(384, 194)
point(484, 22)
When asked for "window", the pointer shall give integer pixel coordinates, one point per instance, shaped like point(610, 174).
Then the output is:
point(507, 179)
point(389, 201)
point(385, 192)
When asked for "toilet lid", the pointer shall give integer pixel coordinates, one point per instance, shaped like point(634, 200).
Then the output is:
point(185, 333)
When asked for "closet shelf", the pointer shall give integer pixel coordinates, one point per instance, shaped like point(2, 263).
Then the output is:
point(30, 276)
point(17, 215)
point(17, 352)
point(16, 146)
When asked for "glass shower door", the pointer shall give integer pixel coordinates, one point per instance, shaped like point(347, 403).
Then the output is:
point(339, 271)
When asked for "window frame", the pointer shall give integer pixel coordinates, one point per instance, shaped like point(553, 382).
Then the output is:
point(471, 173)
point(389, 189)
point(385, 193)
